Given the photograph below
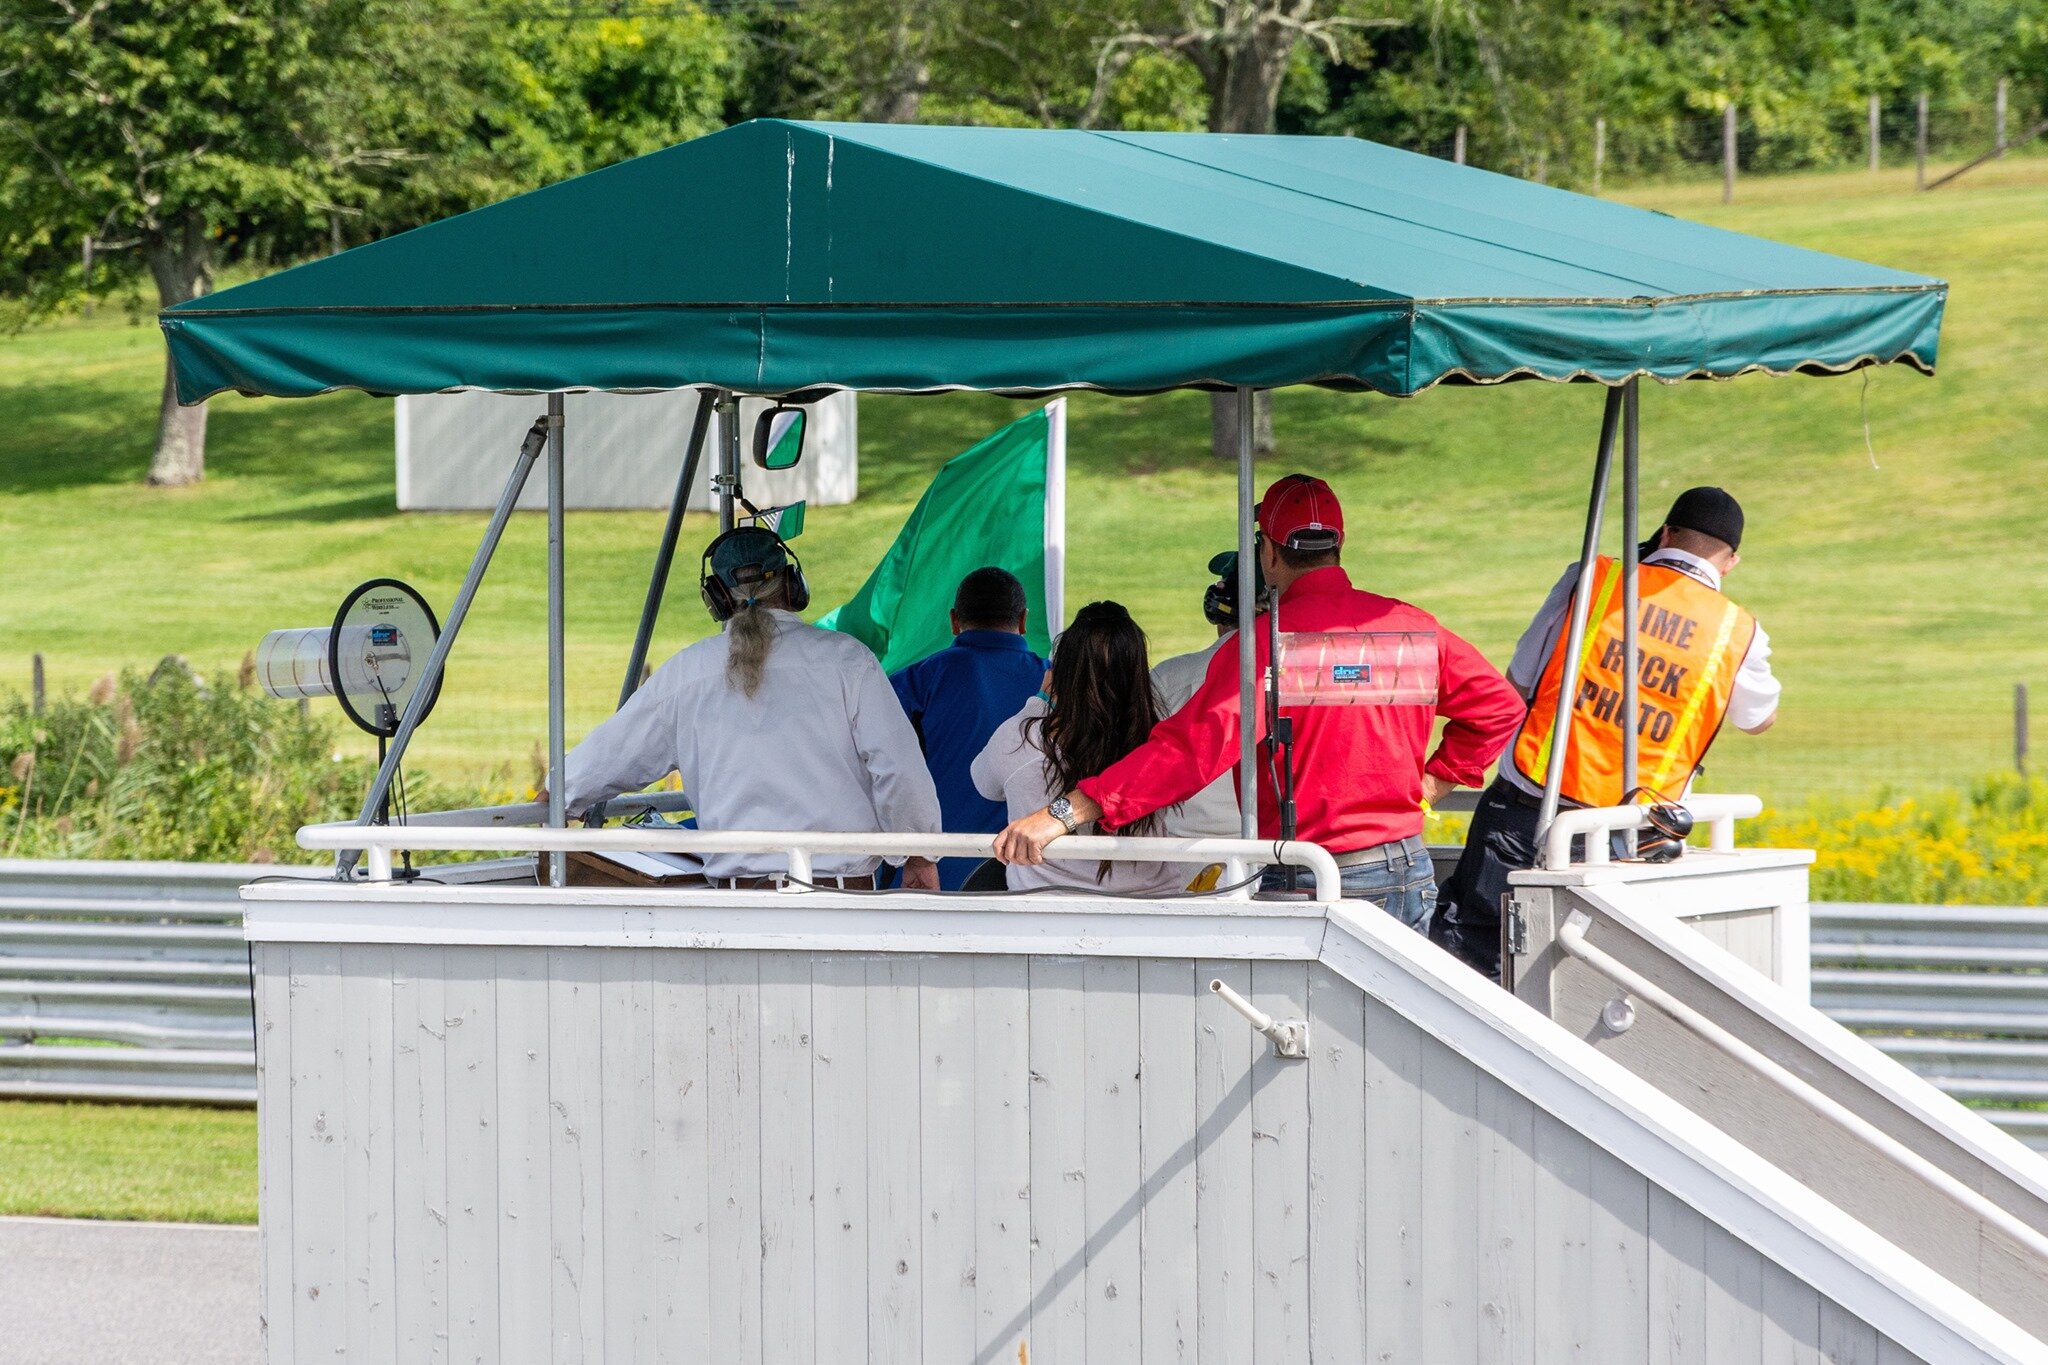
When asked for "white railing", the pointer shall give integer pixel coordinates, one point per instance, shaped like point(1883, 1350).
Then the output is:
point(514, 829)
point(1572, 937)
point(1717, 813)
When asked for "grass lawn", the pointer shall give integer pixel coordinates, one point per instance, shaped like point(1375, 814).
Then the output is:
point(1904, 599)
point(128, 1161)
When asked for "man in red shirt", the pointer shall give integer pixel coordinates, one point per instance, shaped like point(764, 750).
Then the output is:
point(1370, 676)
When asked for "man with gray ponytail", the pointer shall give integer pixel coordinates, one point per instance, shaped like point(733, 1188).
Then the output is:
point(772, 725)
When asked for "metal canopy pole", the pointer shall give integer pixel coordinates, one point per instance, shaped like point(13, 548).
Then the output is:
point(727, 480)
point(437, 658)
point(1630, 605)
point(1582, 605)
point(664, 558)
point(558, 814)
point(1247, 641)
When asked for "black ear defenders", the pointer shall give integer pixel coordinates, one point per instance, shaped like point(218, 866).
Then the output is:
point(1219, 599)
point(1219, 604)
point(719, 598)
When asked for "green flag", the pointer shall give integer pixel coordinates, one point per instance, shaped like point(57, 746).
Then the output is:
point(1002, 502)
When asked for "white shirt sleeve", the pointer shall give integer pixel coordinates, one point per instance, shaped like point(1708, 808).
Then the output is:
point(1532, 651)
point(987, 769)
point(999, 757)
point(634, 746)
point(1754, 699)
point(905, 800)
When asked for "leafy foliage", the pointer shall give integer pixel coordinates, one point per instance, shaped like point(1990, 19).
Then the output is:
point(547, 99)
point(1529, 81)
point(169, 766)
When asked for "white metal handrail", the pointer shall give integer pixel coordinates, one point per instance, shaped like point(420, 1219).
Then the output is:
point(1717, 813)
point(1571, 936)
point(494, 829)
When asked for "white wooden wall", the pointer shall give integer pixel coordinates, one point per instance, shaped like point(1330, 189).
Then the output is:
point(534, 1154)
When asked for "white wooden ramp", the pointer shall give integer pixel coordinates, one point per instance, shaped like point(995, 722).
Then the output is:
point(499, 1125)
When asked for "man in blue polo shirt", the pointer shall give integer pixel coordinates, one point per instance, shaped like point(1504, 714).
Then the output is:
point(958, 696)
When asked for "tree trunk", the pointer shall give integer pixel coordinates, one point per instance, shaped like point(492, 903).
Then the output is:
point(180, 258)
point(900, 94)
point(1243, 73)
point(1243, 69)
point(1223, 425)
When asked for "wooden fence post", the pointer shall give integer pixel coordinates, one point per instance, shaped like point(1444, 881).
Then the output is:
point(1998, 118)
point(1599, 151)
point(1728, 153)
point(1920, 144)
point(1875, 125)
point(35, 685)
point(2019, 727)
point(1458, 146)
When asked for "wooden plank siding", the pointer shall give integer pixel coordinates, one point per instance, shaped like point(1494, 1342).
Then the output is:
point(547, 1154)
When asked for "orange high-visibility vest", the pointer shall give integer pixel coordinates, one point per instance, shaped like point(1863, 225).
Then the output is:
point(1690, 641)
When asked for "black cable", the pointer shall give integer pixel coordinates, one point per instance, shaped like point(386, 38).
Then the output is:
point(250, 944)
point(404, 814)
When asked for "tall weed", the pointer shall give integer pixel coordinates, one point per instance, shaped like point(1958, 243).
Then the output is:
point(168, 765)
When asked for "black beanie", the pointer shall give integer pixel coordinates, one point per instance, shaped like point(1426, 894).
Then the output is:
point(1711, 512)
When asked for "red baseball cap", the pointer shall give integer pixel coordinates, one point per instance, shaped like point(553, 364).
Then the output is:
point(1301, 512)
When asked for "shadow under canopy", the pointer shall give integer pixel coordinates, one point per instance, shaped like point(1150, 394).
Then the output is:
point(785, 259)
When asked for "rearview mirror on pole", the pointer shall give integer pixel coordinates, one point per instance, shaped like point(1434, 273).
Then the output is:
point(779, 438)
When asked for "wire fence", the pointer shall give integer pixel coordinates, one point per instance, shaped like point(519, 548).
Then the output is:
point(1934, 136)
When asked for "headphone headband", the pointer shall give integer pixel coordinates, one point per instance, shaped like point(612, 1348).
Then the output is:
point(719, 598)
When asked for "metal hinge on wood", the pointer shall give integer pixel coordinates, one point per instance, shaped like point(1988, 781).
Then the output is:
point(1517, 921)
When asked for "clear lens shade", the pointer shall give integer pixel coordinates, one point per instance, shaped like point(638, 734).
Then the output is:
point(371, 660)
point(293, 663)
point(376, 661)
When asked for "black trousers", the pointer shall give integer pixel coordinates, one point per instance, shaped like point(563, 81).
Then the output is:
point(1502, 840)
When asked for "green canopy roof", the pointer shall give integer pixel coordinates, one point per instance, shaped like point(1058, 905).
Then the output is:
point(779, 257)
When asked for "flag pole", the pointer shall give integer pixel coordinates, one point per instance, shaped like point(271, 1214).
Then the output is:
point(1247, 645)
point(1056, 516)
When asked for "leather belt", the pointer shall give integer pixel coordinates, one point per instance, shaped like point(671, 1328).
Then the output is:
point(1380, 855)
point(864, 882)
point(1521, 798)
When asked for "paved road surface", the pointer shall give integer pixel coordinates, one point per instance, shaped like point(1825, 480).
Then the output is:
point(74, 1293)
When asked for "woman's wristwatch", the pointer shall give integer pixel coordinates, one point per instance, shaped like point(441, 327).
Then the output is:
point(1062, 810)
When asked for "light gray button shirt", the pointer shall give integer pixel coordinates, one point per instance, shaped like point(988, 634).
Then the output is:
point(1210, 813)
point(823, 745)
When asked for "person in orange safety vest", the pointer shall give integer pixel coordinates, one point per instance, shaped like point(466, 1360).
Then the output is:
point(1702, 661)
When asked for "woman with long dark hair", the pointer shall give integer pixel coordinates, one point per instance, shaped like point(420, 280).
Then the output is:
point(1097, 706)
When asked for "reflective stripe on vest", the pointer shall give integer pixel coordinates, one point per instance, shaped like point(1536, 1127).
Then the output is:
point(1691, 641)
point(1601, 602)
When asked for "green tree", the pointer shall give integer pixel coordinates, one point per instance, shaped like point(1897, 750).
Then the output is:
point(554, 98)
point(173, 132)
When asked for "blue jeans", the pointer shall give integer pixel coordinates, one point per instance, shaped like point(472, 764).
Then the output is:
point(1403, 883)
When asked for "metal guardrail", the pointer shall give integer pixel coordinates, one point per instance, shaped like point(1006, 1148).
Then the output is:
point(1959, 993)
point(125, 981)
